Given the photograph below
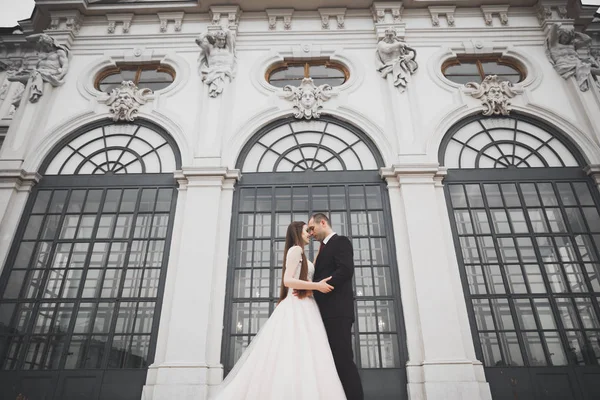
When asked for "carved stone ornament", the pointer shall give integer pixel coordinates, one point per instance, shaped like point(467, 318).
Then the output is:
point(570, 53)
point(217, 62)
point(494, 94)
point(126, 100)
point(308, 98)
point(51, 66)
point(394, 57)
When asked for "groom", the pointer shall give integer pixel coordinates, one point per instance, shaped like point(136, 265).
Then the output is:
point(335, 259)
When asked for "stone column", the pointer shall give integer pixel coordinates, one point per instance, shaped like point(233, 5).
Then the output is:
point(189, 338)
point(442, 363)
point(15, 186)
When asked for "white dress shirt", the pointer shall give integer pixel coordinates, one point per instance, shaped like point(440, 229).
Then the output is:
point(328, 237)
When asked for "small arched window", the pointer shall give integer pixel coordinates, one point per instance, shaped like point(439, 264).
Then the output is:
point(152, 76)
point(474, 68)
point(322, 71)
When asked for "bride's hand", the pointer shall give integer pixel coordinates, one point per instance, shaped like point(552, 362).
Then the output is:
point(323, 286)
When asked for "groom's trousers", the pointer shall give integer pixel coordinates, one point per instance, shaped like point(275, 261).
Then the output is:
point(340, 340)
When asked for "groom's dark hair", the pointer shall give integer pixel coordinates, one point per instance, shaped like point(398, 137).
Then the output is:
point(318, 217)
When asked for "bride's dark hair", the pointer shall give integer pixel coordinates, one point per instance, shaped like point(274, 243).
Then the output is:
point(293, 237)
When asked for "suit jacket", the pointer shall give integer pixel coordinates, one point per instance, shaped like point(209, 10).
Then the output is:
point(336, 260)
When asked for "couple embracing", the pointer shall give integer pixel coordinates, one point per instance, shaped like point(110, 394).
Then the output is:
point(304, 350)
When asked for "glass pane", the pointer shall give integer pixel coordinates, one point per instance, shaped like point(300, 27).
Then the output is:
point(369, 351)
point(493, 196)
point(534, 349)
point(462, 68)
point(483, 315)
point(544, 312)
point(457, 195)
point(390, 352)
point(474, 196)
point(592, 218)
point(337, 198)
point(547, 194)
point(517, 218)
point(510, 349)
point(525, 314)
point(583, 193)
point(41, 201)
point(263, 199)
point(587, 313)
point(502, 314)
point(15, 282)
point(511, 197)
point(516, 281)
point(555, 348)
point(480, 222)
point(534, 278)
point(538, 220)
point(556, 278)
point(491, 350)
point(530, 194)
point(366, 317)
point(567, 313)
point(76, 201)
point(283, 199)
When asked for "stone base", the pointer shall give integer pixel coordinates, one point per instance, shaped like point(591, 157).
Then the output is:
point(448, 380)
point(181, 381)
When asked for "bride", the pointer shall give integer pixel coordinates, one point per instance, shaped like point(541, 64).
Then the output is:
point(290, 357)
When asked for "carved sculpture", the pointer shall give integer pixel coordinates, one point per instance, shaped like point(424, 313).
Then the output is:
point(126, 100)
point(217, 59)
point(570, 54)
point(52, 65)
point(396, 58)
point(494, 94)
point(308, 98)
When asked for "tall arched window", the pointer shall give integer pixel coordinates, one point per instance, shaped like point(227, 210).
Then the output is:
point(83, 283)
point(291, 169)
point(526, 225)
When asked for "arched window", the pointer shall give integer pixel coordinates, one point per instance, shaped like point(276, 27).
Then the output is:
point(291, 169)
point(83, 282)
point(474, 68)
point(322, 71)
point(526, 225)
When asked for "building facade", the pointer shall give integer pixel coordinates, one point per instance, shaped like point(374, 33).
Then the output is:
point(153, 153)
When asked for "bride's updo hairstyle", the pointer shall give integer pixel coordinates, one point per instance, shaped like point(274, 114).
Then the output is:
point(293, 237)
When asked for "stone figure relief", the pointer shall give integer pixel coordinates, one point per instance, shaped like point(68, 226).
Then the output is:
point(570, 54)
point(52, 66)
point(494, 94)
point(126, 100)
point(396, 58)
point(217, 62)
point(307, 98)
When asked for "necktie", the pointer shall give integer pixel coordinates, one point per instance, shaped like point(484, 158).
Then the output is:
point(321, 247)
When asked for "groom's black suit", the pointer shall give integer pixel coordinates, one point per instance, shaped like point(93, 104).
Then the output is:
point(337, 309)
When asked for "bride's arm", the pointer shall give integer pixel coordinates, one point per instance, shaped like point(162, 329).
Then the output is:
point(294, 257)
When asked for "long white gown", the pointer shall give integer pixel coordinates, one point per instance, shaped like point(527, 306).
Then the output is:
point(289, 358)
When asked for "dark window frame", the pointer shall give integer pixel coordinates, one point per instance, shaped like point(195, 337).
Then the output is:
point(502, 309)
point(478, 60)
point(307, 64)
point(138, 68)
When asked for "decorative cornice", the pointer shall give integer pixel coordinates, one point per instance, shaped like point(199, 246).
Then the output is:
point(490, 11)
point(327, 13)
point(18, 179)
point(415, 174)
point(66, 20)
point(284, 13)
point(386, 15)
point(175, 17)
point(228, 16)
point(549, 11)
point(207, 177)
point(124, 19)
point(436, 11)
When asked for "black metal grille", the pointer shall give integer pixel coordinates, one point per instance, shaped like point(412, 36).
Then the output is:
point(82, 286)
point(530, 256)
point(325, 145)
point(356, 211)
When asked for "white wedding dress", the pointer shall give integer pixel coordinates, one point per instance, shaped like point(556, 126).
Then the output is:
point(289, 359)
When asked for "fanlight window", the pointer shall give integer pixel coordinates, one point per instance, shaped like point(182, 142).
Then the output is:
point(303, 146)
point(115, 149)
point(322, 71)
point(151, 76)
point(468, 68)
point(505, 143)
